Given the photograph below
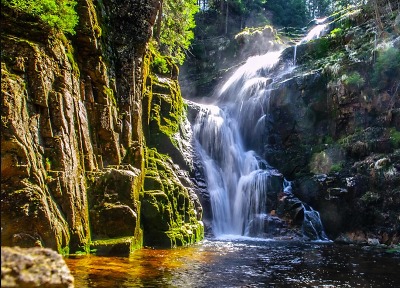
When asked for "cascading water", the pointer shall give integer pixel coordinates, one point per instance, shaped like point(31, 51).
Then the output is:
point(239, 181)
point(315, 33)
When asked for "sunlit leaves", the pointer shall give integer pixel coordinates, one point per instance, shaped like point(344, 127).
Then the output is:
point(56, 13)
point(176, 27)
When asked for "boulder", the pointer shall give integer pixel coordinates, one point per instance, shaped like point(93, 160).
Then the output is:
point(34, 267)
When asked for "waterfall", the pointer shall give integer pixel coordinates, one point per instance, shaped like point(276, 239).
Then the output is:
point(238, 179)
point(241, 185)
point(315, 33)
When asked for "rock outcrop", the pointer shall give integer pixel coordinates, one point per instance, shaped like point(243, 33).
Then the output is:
point(34, 267)
point(73, 142)
point(335, 128)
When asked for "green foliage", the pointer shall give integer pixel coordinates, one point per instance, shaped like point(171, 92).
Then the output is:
point(370, 198)
point(395, 138)
point(63, 250)
point(337, 32)
point(337, 167)
point(75, 67)
point(56, 13)
point(387, 67)
point(395, 249)
point(353, 79)
point(322, 46)
point(159, 65)
point(288, 13)
point(176, 28)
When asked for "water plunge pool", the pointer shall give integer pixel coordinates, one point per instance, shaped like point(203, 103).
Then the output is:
point(241, 263)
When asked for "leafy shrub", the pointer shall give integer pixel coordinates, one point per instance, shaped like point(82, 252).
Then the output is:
point(337, 32)
point(387, 67)
point(354, 79)
point(59, 14)
point(395, 138)
point(159, 65)
point(322, 47)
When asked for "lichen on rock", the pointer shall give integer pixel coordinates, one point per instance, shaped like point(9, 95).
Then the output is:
point(34, 267)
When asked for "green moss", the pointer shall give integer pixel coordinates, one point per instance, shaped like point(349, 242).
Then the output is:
point(395, 138)
point(337, 167)
point(64, 250)
point(97, 31)
point(71, 59)
point(110, 95)
point(395, 249)
point(167, 211)
point(48, 164)
point(122, 245)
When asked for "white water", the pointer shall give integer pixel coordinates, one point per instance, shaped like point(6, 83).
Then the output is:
point(238, 180)
point(316, 32)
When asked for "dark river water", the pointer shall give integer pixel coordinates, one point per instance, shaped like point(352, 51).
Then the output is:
point(244, 263)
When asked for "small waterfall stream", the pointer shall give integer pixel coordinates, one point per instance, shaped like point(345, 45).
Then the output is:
point(239, 180)
point(316, 32)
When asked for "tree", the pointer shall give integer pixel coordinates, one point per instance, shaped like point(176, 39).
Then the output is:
point(289, 13)
point(174, 30)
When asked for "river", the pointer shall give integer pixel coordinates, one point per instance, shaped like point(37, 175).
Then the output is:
point(242, 263)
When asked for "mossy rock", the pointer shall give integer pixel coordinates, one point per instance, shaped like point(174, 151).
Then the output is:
point(114, 204)
point(166, 211)
point(123, 246)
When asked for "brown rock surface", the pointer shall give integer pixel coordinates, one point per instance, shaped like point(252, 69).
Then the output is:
point(34, 267)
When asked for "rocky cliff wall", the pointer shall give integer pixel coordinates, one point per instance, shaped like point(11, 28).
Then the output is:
point(73, 143)
point(335, 128)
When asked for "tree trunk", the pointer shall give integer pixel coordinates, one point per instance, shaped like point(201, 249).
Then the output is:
point(378, 16)
point(159, 20)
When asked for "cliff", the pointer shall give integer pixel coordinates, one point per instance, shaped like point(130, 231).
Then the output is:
point(336, 127)
point(78, 144)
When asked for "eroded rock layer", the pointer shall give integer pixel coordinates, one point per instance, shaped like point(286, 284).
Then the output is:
point(73, 143)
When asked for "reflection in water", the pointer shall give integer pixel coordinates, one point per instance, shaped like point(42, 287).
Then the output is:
point(242, 263)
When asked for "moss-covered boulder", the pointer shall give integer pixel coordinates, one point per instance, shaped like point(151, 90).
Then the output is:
point(171, 213)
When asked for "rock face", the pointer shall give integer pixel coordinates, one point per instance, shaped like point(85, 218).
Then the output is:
point(73, 143)
point(335, 128)
point(34, 267)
